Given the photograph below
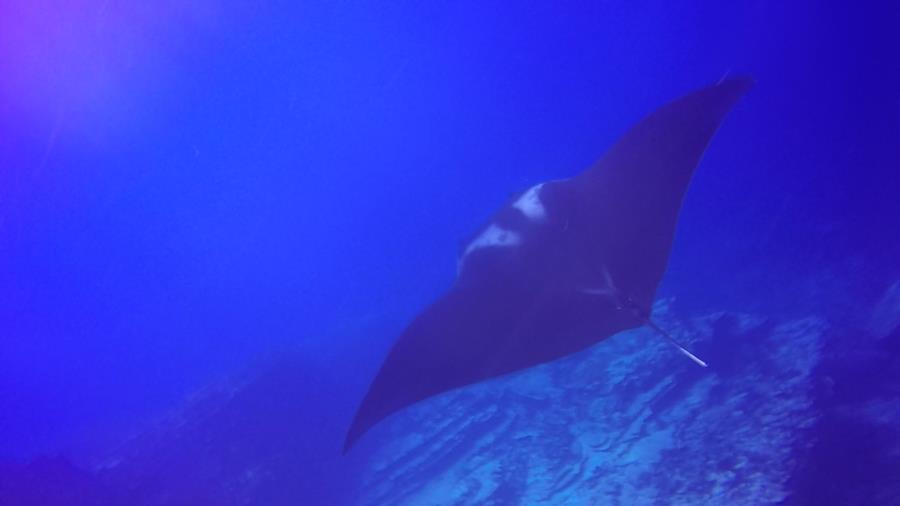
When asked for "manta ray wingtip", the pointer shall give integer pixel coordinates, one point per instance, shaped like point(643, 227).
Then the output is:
point(741, 82)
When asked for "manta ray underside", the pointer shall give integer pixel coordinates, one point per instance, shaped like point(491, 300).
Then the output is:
point(561, 267)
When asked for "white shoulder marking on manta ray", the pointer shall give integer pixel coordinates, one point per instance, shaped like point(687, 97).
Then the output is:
point(530, 203)
point(493, 236)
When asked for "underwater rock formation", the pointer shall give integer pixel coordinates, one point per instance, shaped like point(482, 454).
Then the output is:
point(789, 413)
point(886, 316)
point(854, 453)
point(629, 422)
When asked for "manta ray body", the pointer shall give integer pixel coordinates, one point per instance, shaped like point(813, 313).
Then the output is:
point(564, 265)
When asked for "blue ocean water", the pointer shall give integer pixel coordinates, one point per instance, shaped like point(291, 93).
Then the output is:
point(215, 219)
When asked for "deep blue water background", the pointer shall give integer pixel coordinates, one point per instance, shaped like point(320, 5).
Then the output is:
point(299, 175)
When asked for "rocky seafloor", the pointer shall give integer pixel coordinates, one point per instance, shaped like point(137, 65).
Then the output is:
point(789, 412)
point(629, 422)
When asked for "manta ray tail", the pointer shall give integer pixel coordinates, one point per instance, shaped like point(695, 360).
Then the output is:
point(650, 323)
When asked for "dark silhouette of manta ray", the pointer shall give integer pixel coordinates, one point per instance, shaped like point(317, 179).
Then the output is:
point(562, 266)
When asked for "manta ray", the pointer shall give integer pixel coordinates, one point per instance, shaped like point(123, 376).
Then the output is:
point(562, 266)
